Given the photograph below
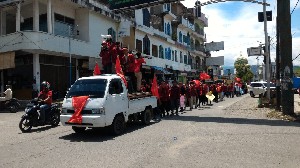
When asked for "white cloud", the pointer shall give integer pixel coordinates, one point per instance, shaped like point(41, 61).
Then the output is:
point(243, 30)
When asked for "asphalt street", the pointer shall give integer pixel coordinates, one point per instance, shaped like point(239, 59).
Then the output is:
point(231, 133)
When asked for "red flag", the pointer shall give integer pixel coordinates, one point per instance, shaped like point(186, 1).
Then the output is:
point(154, 87)
point(197, 82)
point(237, 79)
point(97, 70)
point(78, 104)
point(119, 71)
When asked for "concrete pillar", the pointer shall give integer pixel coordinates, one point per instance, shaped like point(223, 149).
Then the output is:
point(18, 18)
point(49, 16)
point(2, 81)
point(76, 70)
point(36, 16)
point(36, 72)
point(3, 22)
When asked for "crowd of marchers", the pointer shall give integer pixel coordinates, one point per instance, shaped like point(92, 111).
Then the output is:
point(174, 97)
point(180, 97)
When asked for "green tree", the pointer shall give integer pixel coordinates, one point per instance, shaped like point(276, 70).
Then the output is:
point(243, 70)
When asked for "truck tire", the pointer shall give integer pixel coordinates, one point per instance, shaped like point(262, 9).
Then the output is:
point(118, 125)
point(147, 116)
point(78, 130)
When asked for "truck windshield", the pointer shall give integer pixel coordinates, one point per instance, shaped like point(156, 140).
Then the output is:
point(95, 88)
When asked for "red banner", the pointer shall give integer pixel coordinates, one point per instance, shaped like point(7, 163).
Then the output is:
point(154, 87)
point(78, 104)
point(119, 71)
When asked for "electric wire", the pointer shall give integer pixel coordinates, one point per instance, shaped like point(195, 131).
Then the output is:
point(295, 7)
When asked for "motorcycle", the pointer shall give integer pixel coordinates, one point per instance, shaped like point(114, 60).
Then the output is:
point(11, 105)
point(31, 117)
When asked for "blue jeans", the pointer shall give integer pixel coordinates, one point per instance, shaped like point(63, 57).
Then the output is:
point(43, 109)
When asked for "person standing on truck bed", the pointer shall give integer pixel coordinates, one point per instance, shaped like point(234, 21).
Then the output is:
point(115, 50)
point(137, 70)
point(105, 55)
point(128, 65)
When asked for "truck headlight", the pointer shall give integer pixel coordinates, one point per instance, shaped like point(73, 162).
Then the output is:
point(98, 111)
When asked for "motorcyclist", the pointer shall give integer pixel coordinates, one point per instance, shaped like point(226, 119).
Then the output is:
point(46, 97)
point(7, 94)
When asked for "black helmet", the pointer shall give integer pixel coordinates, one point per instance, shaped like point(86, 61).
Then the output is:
point(45, 85)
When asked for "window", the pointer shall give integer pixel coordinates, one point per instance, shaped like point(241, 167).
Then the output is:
point(180, 37)
point(181, 59)
point(62, 24)
point(185, 59)
point(115, 86)
point(146, 17)
point(146, 45)
point(139, 45)
point(161, 51)
point(112, 32)
point(154, 51)
point(168, 29)
point(176, 59)
point(173, 57)
point(94, 88)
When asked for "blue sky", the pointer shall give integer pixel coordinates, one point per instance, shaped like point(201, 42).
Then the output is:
point(237, 25)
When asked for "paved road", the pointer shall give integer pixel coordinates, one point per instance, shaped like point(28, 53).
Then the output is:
point(231, 133)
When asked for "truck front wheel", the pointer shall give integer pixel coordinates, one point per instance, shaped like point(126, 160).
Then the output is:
point(147, 116)
point(118, 125)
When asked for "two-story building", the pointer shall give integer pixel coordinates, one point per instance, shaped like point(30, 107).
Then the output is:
point(60, 40)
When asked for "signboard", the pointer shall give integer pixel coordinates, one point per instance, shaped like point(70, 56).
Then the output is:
point(254, 51)
point(124, 29)
point(215, 61)
point(134, 4)
point(7, 60)
point(214, 46)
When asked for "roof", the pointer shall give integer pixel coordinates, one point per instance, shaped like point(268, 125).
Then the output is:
point(103, 76)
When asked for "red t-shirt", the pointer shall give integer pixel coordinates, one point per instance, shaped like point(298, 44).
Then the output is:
point(43, 95)
point(138, 63)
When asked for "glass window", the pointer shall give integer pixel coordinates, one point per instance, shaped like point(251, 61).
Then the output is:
point(115, 86)
point(139, 45)
point(94, 88)
point(154, 51)
point(181, 59)
point(161, 51)
point(146, 45)
point(176, 59)
point(146, 17)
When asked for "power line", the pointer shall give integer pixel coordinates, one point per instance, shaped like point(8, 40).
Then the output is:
point(296, 57)
point(295, 7)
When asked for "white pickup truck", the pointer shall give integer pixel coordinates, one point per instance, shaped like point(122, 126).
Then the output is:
point(108, 105)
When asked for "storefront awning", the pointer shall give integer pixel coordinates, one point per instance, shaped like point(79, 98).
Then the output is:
point(163, 70)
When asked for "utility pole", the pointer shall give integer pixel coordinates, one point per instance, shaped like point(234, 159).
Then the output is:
point(70, 57)
point(285, 51)
point(267, 53)
point(278, 92)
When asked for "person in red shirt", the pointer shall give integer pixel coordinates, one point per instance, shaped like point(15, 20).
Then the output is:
point(193, 92)
point(164, 96)
point(46, 97)
point(128, 65)
point(115, 50)
point(137, 70)
point(175, 97)
point(106, 59)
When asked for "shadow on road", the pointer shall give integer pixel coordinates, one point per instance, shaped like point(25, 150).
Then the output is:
point(101, 134)
point(235, 120)
point(40, 129)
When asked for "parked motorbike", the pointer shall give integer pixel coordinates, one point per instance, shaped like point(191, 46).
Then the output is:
point(32, 114)
point(11, 105)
